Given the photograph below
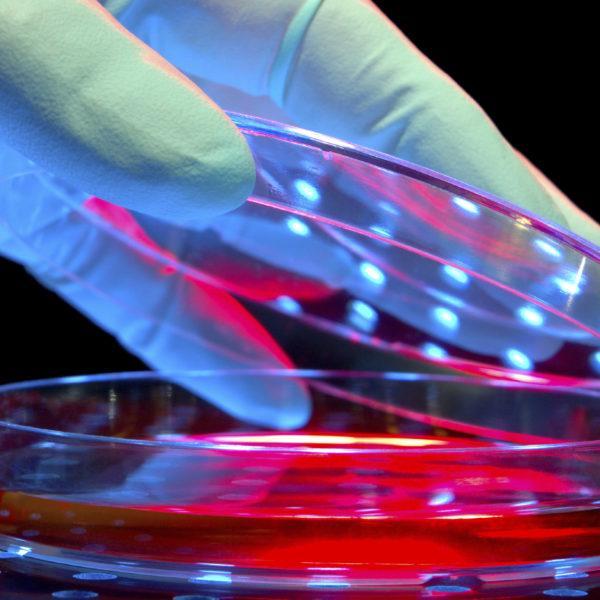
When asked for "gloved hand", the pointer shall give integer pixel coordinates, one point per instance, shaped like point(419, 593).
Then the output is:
point(88, 101)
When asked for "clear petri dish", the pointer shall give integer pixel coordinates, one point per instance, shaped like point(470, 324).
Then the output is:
point(398, 481)
point(341, 258)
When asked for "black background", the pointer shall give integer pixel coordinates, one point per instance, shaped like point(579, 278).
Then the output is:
point(532, 73)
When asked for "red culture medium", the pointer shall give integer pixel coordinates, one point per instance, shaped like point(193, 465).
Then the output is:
point(354, 508)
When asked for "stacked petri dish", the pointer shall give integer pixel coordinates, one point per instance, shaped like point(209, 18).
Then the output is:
point(399, 394)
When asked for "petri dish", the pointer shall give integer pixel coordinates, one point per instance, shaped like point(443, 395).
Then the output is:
point(342, 258)
point(397, 481)
point(434, 353)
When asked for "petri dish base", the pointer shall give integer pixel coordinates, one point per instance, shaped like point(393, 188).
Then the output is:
point(397, 482)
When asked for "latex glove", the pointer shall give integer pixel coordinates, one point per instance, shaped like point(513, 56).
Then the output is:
point(87, 101)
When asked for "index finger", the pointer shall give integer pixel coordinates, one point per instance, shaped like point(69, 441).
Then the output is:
point(86, 100)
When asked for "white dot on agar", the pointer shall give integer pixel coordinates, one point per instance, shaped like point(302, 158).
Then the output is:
point(30, 533)
point(298, 226)
point(307, 190)
point(211, 576)
point(455, 275)
point(288, 304)
point(530, 316)
point(448, 589)
point(94, 576)
point(466, 205)
point(362, 315)
point(434, 351)
point(517, 359)
point(328, 583)
point(571, 286)
point(547, 248)
point(568, 574)
point(446, 317)
point(565, 593)
point(78, 530)
point(372, 273)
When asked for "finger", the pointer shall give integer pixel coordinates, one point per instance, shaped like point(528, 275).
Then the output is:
point(84, 99)
point(172, 322)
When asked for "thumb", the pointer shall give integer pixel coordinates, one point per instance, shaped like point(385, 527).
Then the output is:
point(86, 100)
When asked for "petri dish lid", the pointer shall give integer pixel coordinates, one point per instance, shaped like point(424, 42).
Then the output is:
point(343, 258)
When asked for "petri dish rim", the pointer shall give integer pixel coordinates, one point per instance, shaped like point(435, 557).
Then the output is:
point(308, 374)
point(291, 133)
